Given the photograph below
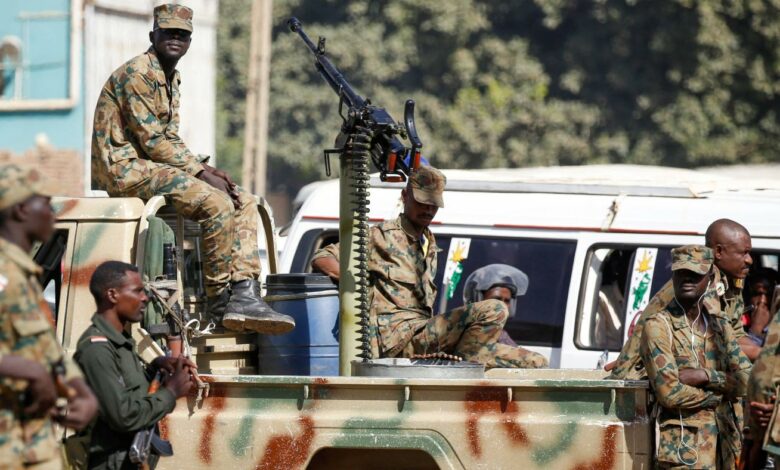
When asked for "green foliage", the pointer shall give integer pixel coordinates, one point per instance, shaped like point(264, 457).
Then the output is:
point(519, 83)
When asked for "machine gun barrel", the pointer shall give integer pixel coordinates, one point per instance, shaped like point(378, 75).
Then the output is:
point(327, 70)
point(387, 152)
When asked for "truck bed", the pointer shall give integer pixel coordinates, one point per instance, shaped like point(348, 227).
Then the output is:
point(550, 419)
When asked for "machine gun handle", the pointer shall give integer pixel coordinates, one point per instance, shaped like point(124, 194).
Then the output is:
point(411, 132)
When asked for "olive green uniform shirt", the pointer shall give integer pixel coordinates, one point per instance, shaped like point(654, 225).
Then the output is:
point(26, 329)
point(120, 381)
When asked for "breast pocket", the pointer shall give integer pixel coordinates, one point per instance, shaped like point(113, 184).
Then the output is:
point(36, 339)
point(407, 287)
point(27, 325)
point(404, 276)
point(132, 375)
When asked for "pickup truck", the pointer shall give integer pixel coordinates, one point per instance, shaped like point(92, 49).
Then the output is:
point(551, 419)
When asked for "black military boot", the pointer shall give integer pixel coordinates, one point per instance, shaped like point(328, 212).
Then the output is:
point(215, 306)
point(247, 311)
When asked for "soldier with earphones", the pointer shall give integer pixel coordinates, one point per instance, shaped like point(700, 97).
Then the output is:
point(695, 367)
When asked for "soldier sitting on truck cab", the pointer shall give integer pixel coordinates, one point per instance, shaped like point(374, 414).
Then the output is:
point(137, 152)
point(402, 267)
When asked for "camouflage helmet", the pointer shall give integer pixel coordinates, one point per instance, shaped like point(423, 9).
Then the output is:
point(172, 16)
point(696, 258)
point(18, 182)
point(427, 185)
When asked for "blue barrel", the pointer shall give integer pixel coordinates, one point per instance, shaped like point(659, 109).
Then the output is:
point(312, 348)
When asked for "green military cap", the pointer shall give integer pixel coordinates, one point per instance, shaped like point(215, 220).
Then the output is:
point(18, 182)
point(171, 16)
point(427, 185)
point(696, 258)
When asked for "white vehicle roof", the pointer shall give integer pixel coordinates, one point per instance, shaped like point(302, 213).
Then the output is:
point(612, 198)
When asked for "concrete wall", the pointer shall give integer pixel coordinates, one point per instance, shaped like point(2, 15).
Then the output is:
point(48, 105)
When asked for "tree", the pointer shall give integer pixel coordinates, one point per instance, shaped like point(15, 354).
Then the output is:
point(519, 83)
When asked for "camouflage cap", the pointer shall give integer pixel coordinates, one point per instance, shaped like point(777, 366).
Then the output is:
point(18, 182)
point(172, 16)
point(696, 258)
point(427, 184)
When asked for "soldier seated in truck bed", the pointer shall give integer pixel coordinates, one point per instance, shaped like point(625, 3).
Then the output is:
point(402, 266)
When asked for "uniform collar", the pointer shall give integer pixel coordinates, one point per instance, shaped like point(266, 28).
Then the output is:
point(159, 73)
point(18, 256)
point(408, 228)
point(710, 305)
point(116, 337)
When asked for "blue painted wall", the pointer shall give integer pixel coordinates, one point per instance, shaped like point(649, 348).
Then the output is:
point(46, 49)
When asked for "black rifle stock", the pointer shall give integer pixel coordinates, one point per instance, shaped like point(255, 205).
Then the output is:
point(387, 151)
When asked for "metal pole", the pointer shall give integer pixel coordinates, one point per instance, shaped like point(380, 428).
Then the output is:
point(253, 174)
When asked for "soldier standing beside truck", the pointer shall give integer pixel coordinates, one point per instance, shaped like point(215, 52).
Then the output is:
point(402, 268)
point(695, 368)
point(731, 245)
point(29, 350)
point(137, 152)
point(107, 354)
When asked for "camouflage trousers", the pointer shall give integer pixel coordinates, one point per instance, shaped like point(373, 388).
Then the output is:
point(472, 332)
point(229, 235)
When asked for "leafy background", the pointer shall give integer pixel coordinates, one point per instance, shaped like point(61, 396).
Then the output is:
point(515, 83)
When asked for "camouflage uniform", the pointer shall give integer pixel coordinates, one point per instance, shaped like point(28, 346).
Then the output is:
point(629, 363)
point(137, 151)
point(765, 375)
point(403, 292)
point(711, 437)
point(27, 330)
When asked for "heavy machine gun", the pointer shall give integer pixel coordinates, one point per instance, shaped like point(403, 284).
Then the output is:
point(388, 153)
point(367, 131)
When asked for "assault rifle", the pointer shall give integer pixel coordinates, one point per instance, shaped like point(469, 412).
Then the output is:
point(387, 151)
point(147, 441)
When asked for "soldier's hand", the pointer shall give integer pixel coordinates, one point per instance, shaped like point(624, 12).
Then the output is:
point(41, 391)
point(694, 377)
point(221, 174)
point(82, 407)
point(209, 176)
point(327, 265)
point(760, 318)
point(168, 364)
point(180, 382)
point(610, 365)
point(762, 412)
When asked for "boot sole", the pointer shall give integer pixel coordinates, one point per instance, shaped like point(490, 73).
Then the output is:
point(240, 323)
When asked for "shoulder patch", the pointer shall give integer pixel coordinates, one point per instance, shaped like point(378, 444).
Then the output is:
point(98, 339)
point(3, 282)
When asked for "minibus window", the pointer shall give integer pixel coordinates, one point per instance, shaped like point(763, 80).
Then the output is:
point(540, 313)
point(618, 282)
